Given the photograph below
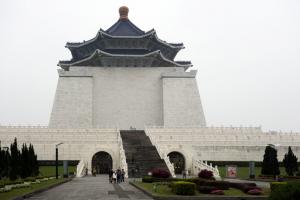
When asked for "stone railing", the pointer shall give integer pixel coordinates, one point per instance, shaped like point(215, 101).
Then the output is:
point(123, 163)
point(163, 156)
point(23, 126)
point(199, 165)
point(170, 166)
point(81, 169)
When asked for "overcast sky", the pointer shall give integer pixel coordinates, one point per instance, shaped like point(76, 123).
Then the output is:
point(247, 54)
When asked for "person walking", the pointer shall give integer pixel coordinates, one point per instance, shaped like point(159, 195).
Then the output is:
point(118, 176)
point(110, 173)
point(122, 175)
point(184, 174)
point(114, 177)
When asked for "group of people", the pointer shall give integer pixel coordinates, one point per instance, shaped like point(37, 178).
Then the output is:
point(116, 176)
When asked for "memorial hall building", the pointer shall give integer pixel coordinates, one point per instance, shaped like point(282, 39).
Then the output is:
point(124, 101)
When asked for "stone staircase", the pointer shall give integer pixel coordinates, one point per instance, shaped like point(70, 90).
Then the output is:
point(141, 155)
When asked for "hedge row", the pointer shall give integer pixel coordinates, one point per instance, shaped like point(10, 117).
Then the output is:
point(20, 181)
point(222, 185)
point(247, 188)
point(183, 188)
point(285, 191)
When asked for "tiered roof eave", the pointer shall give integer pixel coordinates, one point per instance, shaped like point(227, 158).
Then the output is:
point(103, 34)
point(92, 60)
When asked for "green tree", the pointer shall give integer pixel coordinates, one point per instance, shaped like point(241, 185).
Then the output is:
point(270, 165)
point(290, 162)
point(26, 168)
point(33, 161)
point(4, 163)
point(15, 164)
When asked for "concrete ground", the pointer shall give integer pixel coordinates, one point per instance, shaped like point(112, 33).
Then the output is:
point(90, 188)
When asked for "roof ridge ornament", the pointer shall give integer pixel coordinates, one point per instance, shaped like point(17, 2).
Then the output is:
point(123, 11)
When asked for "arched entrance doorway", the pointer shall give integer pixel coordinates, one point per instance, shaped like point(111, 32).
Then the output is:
point(102, 162)
point(178, 160)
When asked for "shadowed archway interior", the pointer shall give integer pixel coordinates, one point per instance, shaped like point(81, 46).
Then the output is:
point(102, 162)
point(178, 160)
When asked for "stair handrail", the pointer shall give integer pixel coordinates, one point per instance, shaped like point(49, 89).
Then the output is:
point(200, 165)
point(162, 155)
point(80, 169)
point(170, 166)
point(123, 163)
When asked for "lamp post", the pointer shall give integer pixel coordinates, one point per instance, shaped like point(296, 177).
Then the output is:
point(56, 159)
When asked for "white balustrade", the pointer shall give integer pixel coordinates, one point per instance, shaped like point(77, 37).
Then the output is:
point(81, 169)
point(162, 155)
point(201, 165)
point(123, 163)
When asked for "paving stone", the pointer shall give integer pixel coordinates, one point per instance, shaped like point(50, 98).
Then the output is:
point(91, 188)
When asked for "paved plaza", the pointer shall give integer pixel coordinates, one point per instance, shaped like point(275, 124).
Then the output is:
point(90, 188)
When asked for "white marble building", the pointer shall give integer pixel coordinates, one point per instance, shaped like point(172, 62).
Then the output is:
point(126, 78)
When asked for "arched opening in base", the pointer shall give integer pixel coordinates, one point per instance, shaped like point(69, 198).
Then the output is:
point(102, 162)
point(178, 160)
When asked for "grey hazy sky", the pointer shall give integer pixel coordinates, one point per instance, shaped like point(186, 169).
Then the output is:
point(247, 53)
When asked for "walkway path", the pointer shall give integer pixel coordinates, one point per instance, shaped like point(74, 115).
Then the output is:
point(90, 188)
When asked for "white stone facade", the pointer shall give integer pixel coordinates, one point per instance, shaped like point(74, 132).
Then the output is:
point(93, 103)
point(78, 144)
point(124, 97)
point(194, 143)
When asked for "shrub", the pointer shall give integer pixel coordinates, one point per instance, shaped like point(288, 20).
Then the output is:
point(206, 189)
point(160, 173)
point(245, 187)
point(221, 185)
point(206, 174)
point(255, 192)
point(275, 185)
point(217, 192)
point(183, 188)
point(147, 179)
point(289, 191)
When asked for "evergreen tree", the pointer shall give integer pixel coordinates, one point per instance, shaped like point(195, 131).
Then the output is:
point(14, 168)
point(2, 163)
point(33, 161)
point(290, 162)
point(25, 164)
point(270, 165)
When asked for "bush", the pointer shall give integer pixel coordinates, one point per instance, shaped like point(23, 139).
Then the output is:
point(206, 174)
point(217, 192)
point(160, 173)
point(183, 188)
point(147, 179)
point(275, 185)
point(245, 187)
point(289, 191)
point(221, 185)
point(206, 189)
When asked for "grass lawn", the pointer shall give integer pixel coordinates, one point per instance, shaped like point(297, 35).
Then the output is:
point(164, 190)
point(33, 187)
point(243, 172)
point(50, 170)
point(44, 171)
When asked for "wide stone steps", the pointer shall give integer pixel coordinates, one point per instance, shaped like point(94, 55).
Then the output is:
point(141, 155)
